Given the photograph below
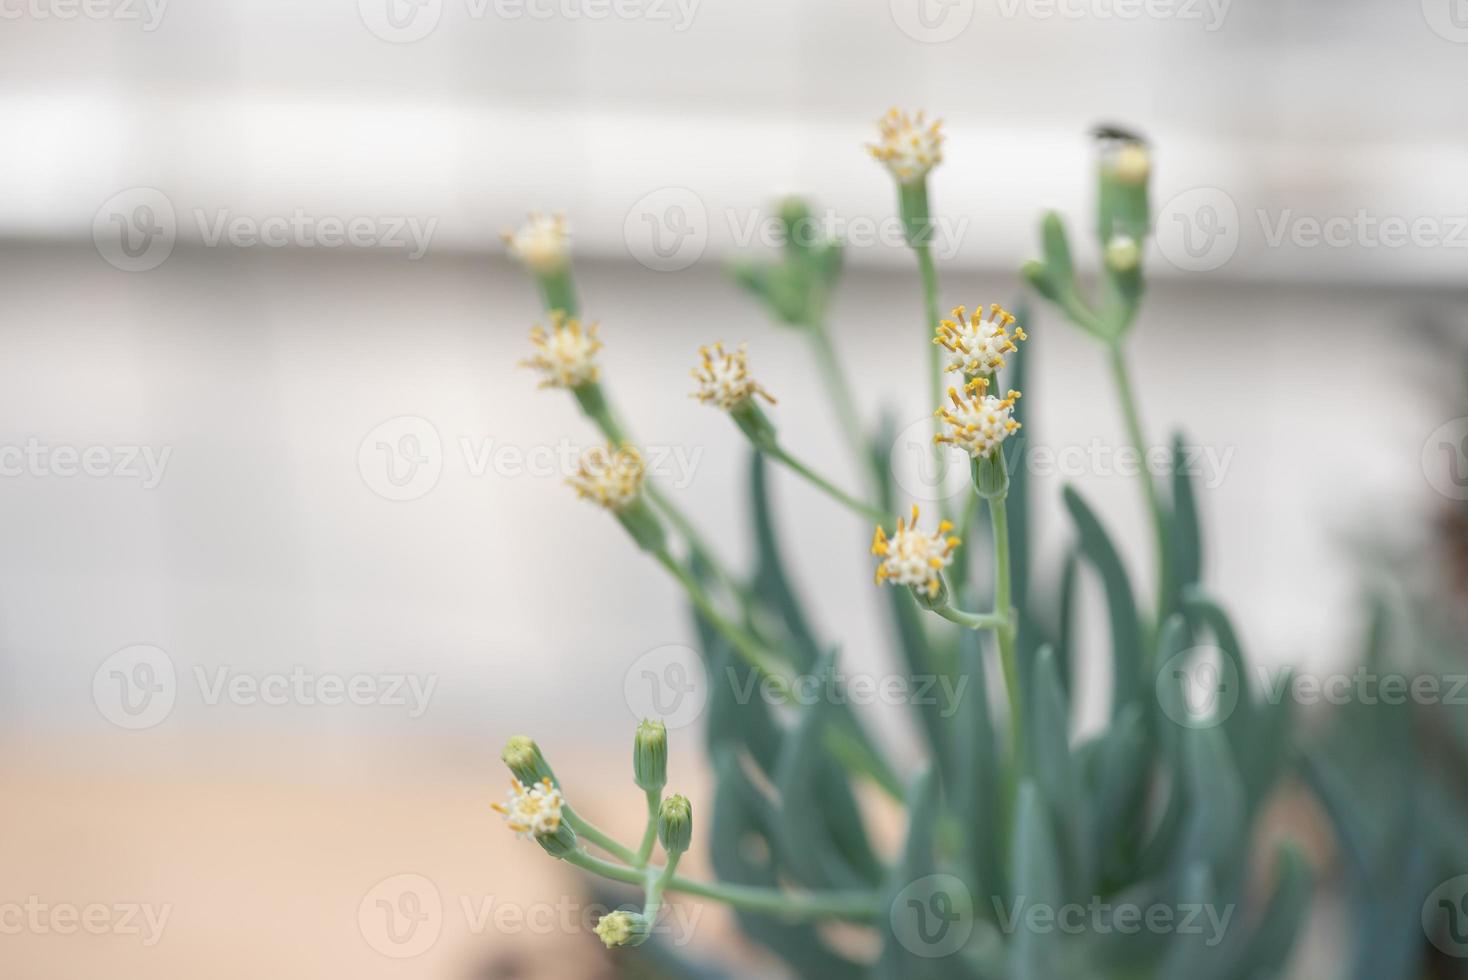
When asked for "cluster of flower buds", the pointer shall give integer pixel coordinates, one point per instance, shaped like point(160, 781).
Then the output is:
point(536, 808)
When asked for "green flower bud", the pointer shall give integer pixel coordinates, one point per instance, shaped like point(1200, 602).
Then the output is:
point(559, 842)
point(618, 929)
point(643, 524)
point(650, 755)
point(523, 757)
point(1123, 254)
point(754, 423)
point(991, 475)
point(929, 599)
point(675, 824)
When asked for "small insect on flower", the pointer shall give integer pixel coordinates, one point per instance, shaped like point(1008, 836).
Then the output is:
point(534, 810)
point(910, 145)
point(723, 378)
point(913, 557)
point(977, 344)
point(541, 243)
point(978, 423)
point(566, 354)
point(610, 476)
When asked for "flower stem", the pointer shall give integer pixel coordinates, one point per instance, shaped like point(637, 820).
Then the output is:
point(839, 389)
point(840, 496)
point(596, 835)
point(973, 621)
point(930, 316)
point(999, 518)
point(860, 905)
point(644, 851)
point(1122, 377)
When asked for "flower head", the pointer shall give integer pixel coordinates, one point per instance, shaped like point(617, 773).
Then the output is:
point(979, 422)
point(542, 242)
point(619, 928)
point(977, 345)
point(565, 354)
point(610, 476)
point(723, 378)
point(534, 810)
point(913, 557)
point(910, 145)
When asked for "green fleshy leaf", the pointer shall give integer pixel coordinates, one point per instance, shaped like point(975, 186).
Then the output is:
point(1128, 682)
point(1282, 921)
point(821, 828)
point(1036, 882)
point(1187, 536)
point(975, 790)
point(744, 851)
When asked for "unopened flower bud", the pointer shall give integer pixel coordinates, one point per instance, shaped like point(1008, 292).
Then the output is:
point(526, 763)
point(650, 755)
point(618, 929)
point(1123, 254)
point(675, 824)
point(1130, 163)
point(559, 842)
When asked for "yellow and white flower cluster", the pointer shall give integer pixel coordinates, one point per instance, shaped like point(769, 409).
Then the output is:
point(565, 355)
point(723, 378)
point(979, 422)
point(913, 557)
point(976, 344)
point(541, 243)
point(910, 145)
point(532, 811)
point(610, 476)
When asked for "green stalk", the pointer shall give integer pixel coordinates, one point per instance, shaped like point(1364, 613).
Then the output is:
point(871, 513)
point(930, 314)
point(602, 839)
point(973, 621)
point(1133, 417)
point(650, 835)
point(861, 905)
point(839, 390)
point(999, 518)
point(593, 402)
point(852, 751)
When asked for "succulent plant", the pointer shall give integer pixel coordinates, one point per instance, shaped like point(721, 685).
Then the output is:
point(1027, 852)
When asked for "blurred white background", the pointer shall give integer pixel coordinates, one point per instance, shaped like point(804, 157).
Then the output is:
point(256, 375)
